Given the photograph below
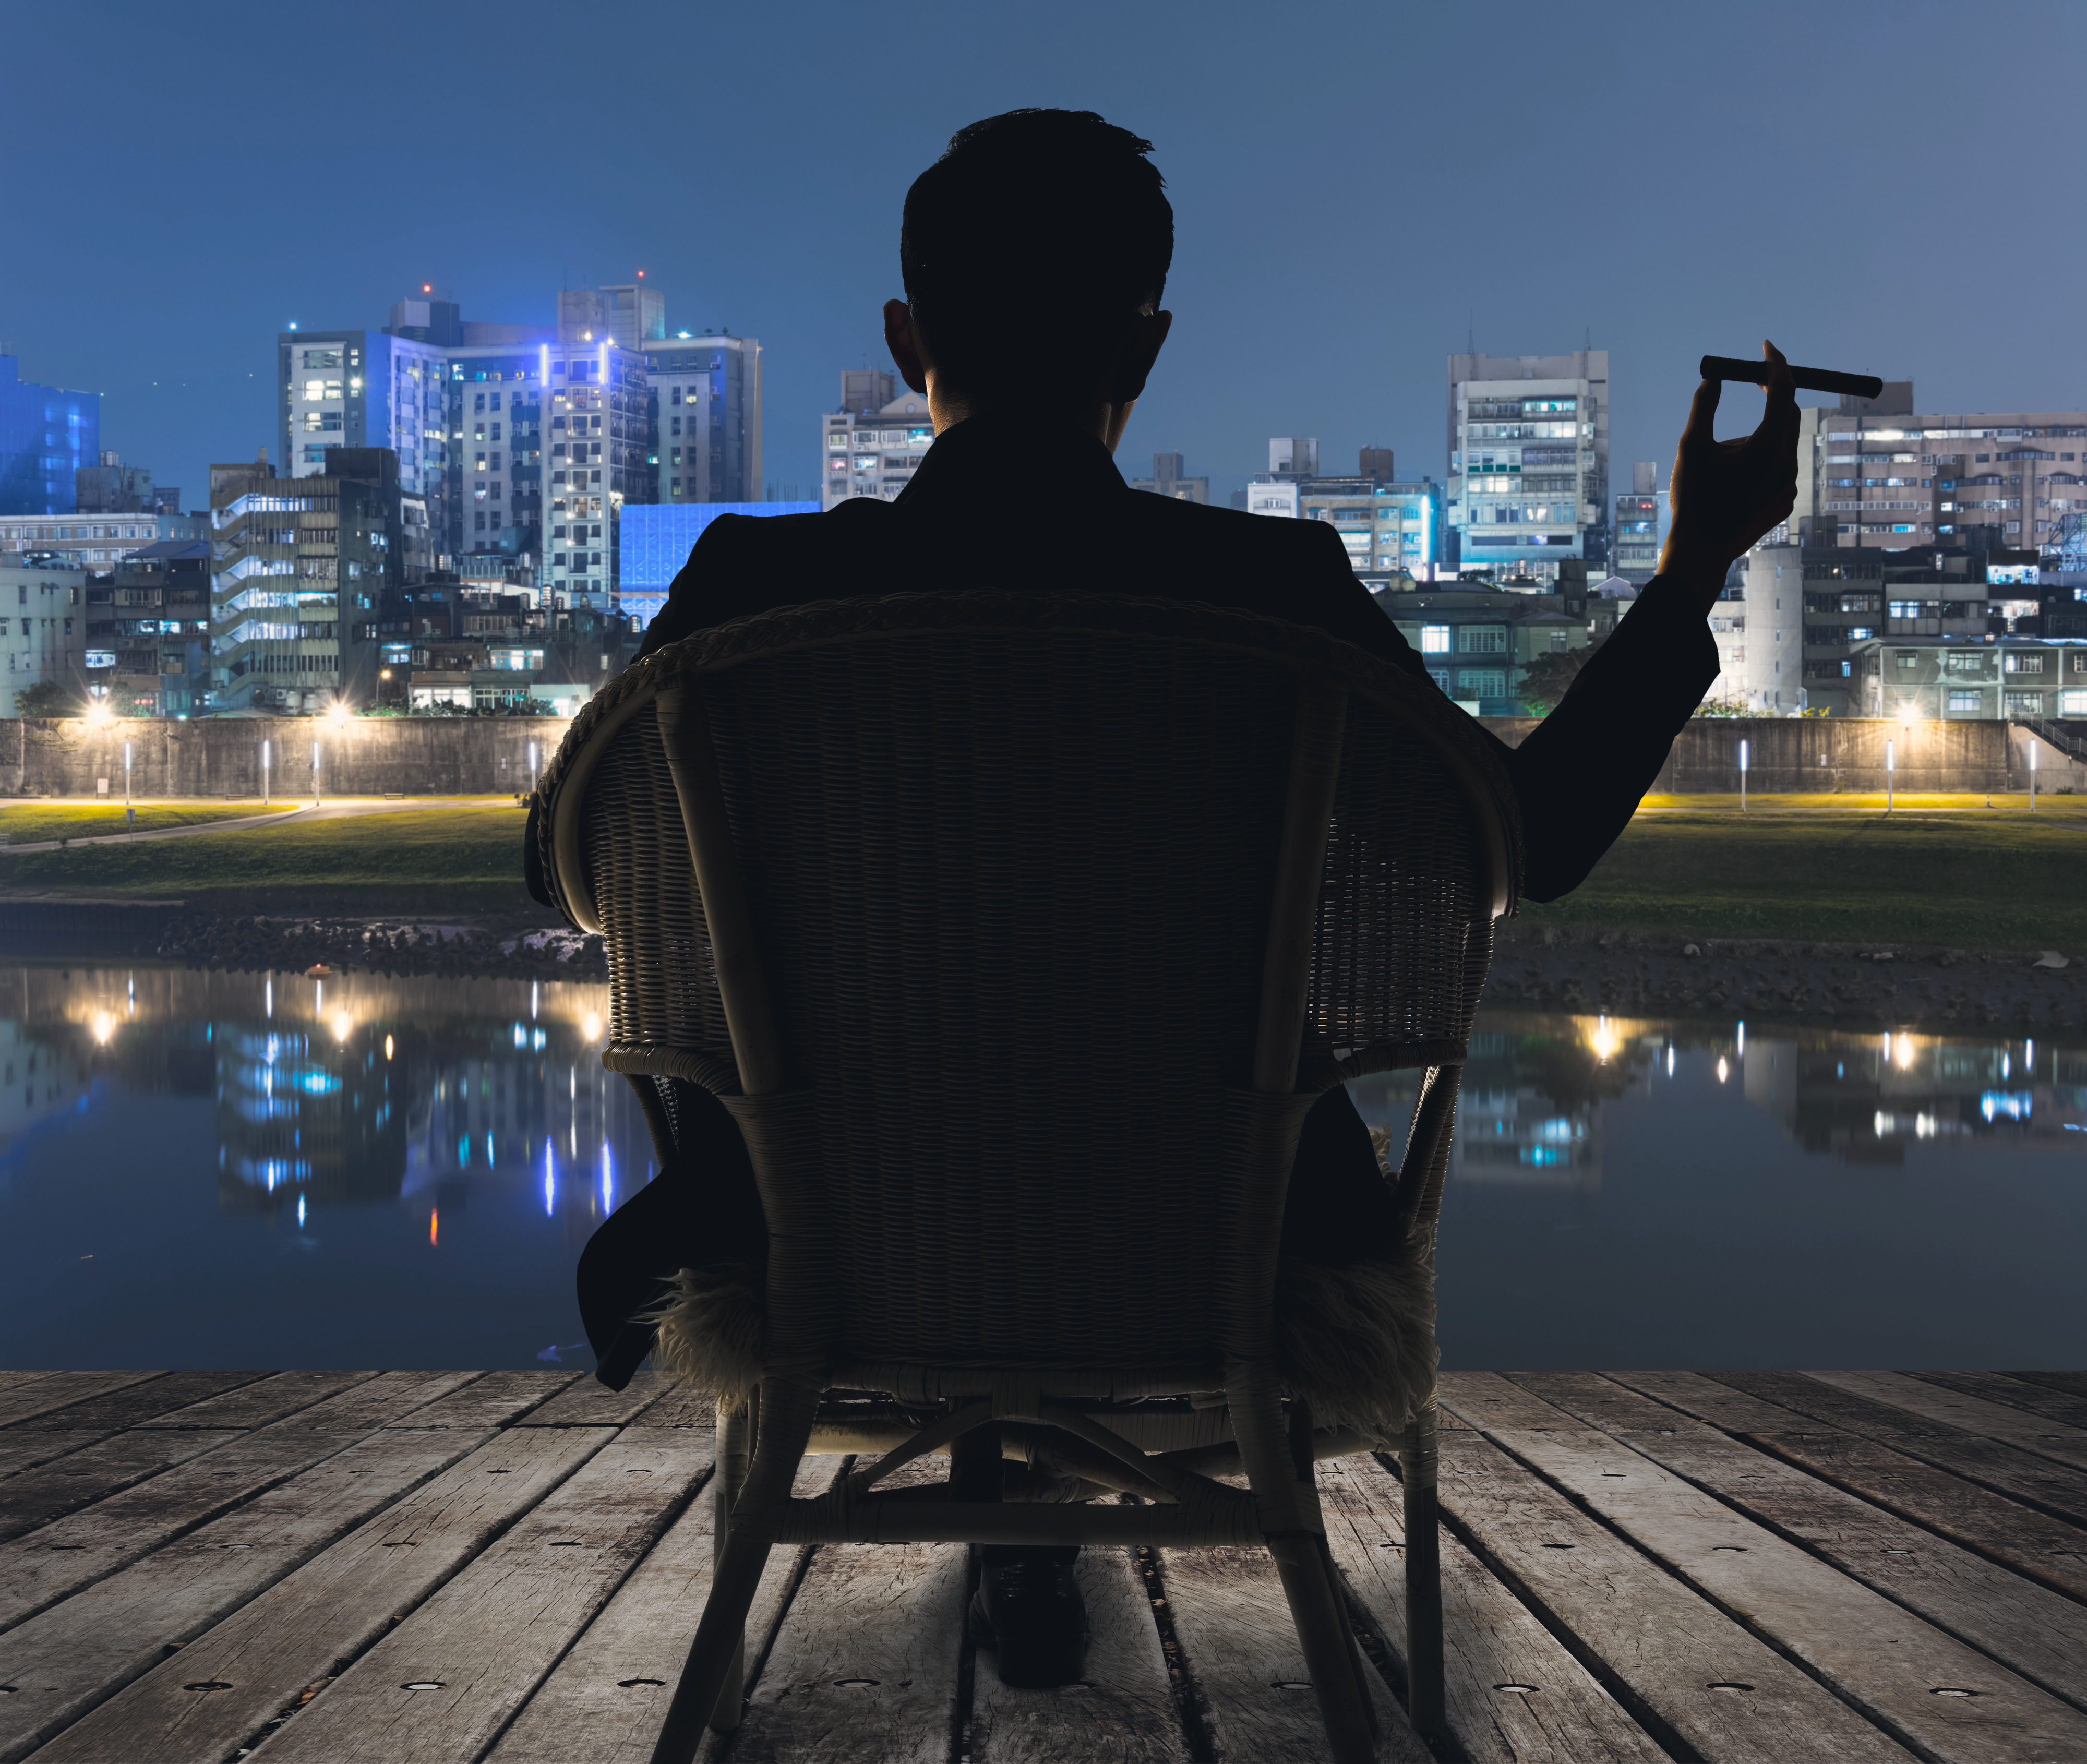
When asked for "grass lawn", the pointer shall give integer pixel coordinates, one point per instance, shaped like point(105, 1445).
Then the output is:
point(450, 860)
point(32, 822)
point(2008, 881)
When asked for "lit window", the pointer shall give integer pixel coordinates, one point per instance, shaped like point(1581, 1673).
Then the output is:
point(1435, 639)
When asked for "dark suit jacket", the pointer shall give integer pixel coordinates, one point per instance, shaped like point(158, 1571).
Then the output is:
point(1005, 500)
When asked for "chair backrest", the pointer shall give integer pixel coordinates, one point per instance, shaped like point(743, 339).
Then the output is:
point(1009, 860)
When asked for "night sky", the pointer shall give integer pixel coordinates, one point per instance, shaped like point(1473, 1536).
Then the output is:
point(1883, 188)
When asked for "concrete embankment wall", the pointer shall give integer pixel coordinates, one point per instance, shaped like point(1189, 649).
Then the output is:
point(1803, 755)
point(474, 756)
point(363, 757)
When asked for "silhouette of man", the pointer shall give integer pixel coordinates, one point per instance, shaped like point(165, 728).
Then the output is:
point(1034, 253)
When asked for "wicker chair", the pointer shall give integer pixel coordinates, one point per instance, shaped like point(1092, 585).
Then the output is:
point(1018, 931)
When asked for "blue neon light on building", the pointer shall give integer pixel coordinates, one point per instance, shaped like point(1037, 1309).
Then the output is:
point(46, 434)
point(655, 540)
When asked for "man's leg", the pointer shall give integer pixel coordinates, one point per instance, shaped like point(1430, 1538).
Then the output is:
point(1028, 1609)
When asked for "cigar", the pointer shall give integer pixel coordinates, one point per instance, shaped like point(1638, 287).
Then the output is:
point(1725, 367)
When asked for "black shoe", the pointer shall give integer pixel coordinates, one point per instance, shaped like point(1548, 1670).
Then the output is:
point(1030, 1612)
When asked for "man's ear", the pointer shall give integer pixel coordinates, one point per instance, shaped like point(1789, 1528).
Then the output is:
point(904, 344)
point(1134, 362)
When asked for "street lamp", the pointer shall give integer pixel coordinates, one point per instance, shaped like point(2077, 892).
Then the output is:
point(1742, 777)
point(315, 775)
point(2032, 774)
point(126, 776)
point(1891, 758)
point(264, 775)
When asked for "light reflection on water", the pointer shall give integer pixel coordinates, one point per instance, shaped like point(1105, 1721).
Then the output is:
point(1631, 1192)
point(222, 1169)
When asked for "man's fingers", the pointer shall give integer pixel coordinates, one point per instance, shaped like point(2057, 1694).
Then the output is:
point(1780, 418)
point(1702, 416)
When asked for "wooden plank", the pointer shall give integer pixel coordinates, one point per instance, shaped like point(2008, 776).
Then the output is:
point(2072, 1383)
point(1123, 1709)
point(264, 1400)
point(864, 1665)
point(133, 1404)
point(1515, 1695)
point(217, 1470)
point(81, 1651)
point(591, 1403)
point(493, 1400)
point(2024, 1476)
point(2016, 1536)
point(1878, 1656)
point(675, 1407)
point(23, 1448)
point(1677, 1656)
point(38, 1496)
point(9, 1380)
point(606, 1699)
point(2036, 1633)
point(2000, 1387)
point(2050, 1439)
point(1239, 1652)
point(316, 1622)
point(488, 1639)
point(59, 1390)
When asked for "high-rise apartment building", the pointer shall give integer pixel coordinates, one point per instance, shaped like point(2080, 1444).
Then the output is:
point(300, 566)
point(596, 412)
point(873, 448)
point(1872, 472)
point(1528, 462)
point(704, 439)
point(1637, 526)
point(1169, 480)
point(360, 389)
point(46, 435)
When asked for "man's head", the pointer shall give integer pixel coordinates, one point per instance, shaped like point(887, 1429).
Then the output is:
point(1035, 251)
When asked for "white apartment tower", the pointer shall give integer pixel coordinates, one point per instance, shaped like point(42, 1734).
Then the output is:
point(1528, 462)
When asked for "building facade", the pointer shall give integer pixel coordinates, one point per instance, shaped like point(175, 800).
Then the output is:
point(1958, 678)
point(148, 633)
point(1169, 479)
point(873, 449)
point(102, 542)
point(658, 538)
point(1476, 642)
point(705, 416)
point(1393, 531)
point(1809, 608)
point(301, 569)
point(1873, 473)
point(114, 488)
point(43, 626)
point(47, 433)
point(1528, 462)
point(1637, 549)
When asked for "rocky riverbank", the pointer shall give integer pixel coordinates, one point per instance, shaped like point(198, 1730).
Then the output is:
point(254, 943)
point(1627, 971)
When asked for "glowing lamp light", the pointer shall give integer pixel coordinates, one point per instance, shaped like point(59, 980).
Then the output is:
point(97, 714)
point(104, 1026)
point(434, 1227)
point(592, 1027)
point(1724, 1071)
point(387, 1047)
point(1604, 1041)
point(343, 1024)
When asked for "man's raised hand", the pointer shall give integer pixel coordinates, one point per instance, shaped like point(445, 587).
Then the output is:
point(1726, 494)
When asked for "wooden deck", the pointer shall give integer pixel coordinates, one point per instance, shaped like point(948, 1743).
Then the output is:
point(400, 1566)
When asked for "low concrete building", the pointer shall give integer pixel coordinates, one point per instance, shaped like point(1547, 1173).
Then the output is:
point(1169, 479)
point(1957, 679)
point(148, 630)
point(1475, 642)
point(43, 626)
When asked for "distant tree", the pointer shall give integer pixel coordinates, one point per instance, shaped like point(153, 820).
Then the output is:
point(48, 697)
point(1547, 679)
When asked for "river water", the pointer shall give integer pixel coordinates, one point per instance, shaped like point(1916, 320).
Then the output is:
point(209, 1169)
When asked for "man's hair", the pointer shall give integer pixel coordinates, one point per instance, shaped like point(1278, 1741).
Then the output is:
point(1030, 247)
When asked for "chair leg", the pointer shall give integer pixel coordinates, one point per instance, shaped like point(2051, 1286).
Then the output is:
point(1327, 1640)
point(1425, 1697)
point(735, 1451)
point(713, 1654)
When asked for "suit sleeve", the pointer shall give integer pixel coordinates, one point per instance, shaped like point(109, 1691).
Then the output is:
point(1579, 773)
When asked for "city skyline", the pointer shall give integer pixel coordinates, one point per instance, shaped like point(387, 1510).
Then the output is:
point(1311, 218)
